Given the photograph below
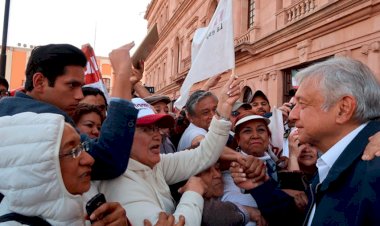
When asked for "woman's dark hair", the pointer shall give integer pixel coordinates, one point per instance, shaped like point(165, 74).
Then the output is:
point(83, 109)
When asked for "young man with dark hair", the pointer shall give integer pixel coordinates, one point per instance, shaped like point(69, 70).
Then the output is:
point(54, 79)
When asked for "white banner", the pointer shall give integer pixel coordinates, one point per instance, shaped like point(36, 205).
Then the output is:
point(212, 50)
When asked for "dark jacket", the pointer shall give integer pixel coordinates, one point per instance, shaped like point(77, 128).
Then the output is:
point(111, 150)
point(348, 195)
point(276, 206)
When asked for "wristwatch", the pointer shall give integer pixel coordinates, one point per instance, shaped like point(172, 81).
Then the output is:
point(221, 117)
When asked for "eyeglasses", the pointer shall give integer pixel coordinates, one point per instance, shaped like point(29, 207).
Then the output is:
point(4, 93)
point(75, 152)
point(149, 129)
point(235, 113)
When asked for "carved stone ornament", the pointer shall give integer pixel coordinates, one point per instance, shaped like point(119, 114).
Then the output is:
point(364, 49)
point(303, 50)
point(375, 46)
point(273, 75)
point(266, 76)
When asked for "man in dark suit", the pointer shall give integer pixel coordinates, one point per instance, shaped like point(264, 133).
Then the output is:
point(337, 109)
point(337, 104)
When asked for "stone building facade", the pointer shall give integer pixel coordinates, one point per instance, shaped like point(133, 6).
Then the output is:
point(273, 40)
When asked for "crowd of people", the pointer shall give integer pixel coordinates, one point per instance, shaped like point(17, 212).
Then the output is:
point(212, 163)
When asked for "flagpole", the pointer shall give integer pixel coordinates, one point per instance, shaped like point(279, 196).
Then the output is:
point(96, 25)
point(233, 72)
point(3, 59)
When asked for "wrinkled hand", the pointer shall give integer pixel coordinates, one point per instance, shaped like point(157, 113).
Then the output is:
point(228, 95)
point(110, 214)
point(166, 220)
point(249, 172)
point(195, 184)
point(300, 198)
point(373, 147)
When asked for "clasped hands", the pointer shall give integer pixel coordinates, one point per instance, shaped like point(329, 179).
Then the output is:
point(248, 172)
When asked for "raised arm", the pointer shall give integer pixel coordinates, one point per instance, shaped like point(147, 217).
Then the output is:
point(111, 151)
point(189, 163)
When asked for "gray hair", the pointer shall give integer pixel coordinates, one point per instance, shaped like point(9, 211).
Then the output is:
point(195, 98)
point(341, 76)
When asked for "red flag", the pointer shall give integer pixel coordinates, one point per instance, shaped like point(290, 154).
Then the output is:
point(92, 75)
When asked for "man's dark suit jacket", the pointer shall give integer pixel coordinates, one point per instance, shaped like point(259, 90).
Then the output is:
point(348, 195)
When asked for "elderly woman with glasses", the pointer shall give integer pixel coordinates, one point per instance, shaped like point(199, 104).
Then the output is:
point(44, 172)
point(143, 189)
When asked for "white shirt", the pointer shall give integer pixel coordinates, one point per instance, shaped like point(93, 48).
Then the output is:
point(327, 160)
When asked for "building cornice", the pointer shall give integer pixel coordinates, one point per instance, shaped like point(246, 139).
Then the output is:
point(340, 14)
point(149, 8)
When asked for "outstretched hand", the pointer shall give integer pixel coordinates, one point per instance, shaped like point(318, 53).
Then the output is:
point(122, 66)
point(121, 60)
point(372, 149)
point(228, 95)
point(248, 173)
point(137, 73)
point(211, 82)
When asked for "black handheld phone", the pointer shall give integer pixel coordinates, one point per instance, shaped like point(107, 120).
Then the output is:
point(94, 203)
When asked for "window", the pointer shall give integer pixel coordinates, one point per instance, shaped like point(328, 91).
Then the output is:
point(251, 13)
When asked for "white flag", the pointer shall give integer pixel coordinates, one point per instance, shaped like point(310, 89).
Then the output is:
point(212, 50)
point(276, 125)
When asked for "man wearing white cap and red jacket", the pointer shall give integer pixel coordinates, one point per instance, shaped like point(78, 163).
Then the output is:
point(143, 189)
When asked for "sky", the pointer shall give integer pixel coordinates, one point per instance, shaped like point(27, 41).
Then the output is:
point(104, 24)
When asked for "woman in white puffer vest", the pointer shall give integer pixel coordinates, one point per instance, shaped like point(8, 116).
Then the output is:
point(44, 169)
